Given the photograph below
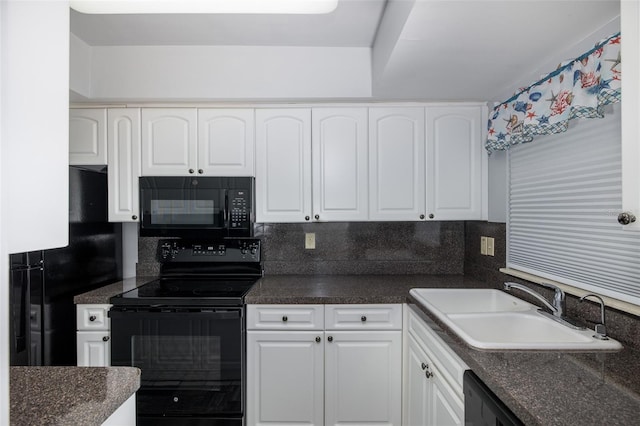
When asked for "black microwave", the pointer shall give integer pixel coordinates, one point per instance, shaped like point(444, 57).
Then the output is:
point(190, 207)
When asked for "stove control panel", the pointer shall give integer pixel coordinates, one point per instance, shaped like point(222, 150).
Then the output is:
point(226, 250)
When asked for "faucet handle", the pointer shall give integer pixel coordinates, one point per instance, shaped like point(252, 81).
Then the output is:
point(600, 329)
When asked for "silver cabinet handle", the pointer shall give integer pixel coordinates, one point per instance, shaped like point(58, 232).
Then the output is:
point(92, 318)
point(191, 171)
point(318, 339)
point(285, 318)
point(105, 339)
point(363, 318)
point(330, 338)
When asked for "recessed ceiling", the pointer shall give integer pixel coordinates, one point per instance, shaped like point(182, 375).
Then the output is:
point(352, 24)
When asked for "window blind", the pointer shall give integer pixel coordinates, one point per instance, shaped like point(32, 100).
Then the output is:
point(565, 192)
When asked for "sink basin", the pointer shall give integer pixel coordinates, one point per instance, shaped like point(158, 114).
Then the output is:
point(492, 319)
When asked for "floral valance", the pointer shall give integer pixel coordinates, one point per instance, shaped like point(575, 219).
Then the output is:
point(579, 88)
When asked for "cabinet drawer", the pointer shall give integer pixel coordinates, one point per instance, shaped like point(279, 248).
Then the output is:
point(285, 317)
point(363, 317)
point(92, 317)
point(446, 360)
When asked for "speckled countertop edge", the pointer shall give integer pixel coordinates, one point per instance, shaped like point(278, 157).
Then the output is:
point(69, 395)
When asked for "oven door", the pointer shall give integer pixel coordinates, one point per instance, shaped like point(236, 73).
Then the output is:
point(191, 360)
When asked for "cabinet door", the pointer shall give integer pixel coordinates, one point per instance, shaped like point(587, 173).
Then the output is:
point(123, 141)
point(283, 165)
point(339, 157)
point(226, 142)
point(454, 163)
point(363, 376)
point(417, 387)
point(169, 142)
point(446, 408)
point(285, 378)
point(87, 136)
point(630, 51)
point(93, 348)
point(396, 164)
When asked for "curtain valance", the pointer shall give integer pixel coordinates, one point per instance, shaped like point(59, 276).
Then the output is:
point(579, 88)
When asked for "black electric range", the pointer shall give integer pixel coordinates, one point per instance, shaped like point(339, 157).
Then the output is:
point(186, 332)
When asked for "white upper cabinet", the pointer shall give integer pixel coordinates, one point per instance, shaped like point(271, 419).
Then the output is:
point(396, 163)
point(123, 140)
point(339, 158)
point(226, 142)
point(454, 163)
point(88, 136)
point(169, 144)
point(283, 165)
point(630, 24)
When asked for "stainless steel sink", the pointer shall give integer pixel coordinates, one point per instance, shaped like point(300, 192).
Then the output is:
point(492, 319)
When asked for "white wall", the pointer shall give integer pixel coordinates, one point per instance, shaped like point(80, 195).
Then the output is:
point(4, 273)
point(80, 67)
point(193, 73)
point(34, 89)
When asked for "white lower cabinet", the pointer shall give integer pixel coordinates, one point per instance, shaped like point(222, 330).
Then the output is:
point(285, 376)
point(324, 376)
point(432, 391)
point(93, 337)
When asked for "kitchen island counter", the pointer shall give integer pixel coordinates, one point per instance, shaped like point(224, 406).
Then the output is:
point(69, 395)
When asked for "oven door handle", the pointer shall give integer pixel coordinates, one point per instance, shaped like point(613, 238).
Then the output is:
point(153, 312)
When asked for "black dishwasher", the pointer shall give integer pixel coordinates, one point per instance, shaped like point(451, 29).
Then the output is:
point(482, 407)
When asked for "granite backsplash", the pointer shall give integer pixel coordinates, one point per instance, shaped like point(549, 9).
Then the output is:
point(388, 248)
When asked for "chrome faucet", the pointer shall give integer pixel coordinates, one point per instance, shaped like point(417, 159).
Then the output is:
point(558, 306)
point(600, 329)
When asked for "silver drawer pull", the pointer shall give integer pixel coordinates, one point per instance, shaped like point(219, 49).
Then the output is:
point(285, 319)
point(363, 318)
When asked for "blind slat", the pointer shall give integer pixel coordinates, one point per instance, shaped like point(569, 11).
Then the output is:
point(565, 192)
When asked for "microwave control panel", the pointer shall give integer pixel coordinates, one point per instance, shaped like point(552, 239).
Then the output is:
point(239, 209)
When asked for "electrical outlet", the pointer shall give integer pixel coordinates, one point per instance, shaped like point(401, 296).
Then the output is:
point(483, 245)
point(490, 246)
point(310, 240)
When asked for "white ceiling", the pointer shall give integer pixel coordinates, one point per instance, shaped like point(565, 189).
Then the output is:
point(441, 50)
point(353, 24)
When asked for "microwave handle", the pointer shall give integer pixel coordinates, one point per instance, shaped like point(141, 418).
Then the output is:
point(226, 209)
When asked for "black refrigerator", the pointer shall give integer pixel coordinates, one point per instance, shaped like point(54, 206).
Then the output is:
point(43, 283)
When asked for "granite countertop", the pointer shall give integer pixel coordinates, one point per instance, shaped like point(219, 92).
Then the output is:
point(323, 289)
point(69, 395)
point(540, 387)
